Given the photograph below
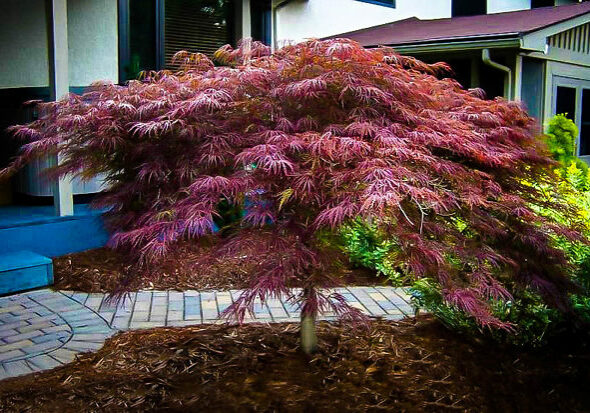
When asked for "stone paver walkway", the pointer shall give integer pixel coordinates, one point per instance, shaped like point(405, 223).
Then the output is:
point(43, 329)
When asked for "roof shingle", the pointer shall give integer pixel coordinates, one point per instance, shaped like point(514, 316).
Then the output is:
point(414, 30)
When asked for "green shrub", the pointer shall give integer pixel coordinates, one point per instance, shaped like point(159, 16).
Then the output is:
point(533, 320)
point(561, 139)
point(578, 253)
point(368, 248)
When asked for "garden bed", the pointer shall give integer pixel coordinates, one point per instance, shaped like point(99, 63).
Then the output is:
point(106, 270)
point(405, 366)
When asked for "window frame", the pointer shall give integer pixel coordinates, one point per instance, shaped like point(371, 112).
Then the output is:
point(384, 3)
point(579, 85)
point(454, 10)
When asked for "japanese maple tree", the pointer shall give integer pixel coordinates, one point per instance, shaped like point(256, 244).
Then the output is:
point(309, 138)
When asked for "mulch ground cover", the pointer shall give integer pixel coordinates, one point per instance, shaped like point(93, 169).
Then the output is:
point(412, 365)
point(107, 270)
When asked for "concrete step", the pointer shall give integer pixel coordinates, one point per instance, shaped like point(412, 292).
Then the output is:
point(23, 270)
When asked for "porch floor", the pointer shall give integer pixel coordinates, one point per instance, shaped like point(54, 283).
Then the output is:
point(22, 215)
point(38, 229)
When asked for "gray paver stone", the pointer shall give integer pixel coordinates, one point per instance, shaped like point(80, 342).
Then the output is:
point(17, 368)
point(44, 362)
point(53, 329)
point(36, 326)
point(94, 337)
point(51, 336)
point(23, 336)
point(42, 347)
point(11, 355)
point(82, 345)
point(63, 355)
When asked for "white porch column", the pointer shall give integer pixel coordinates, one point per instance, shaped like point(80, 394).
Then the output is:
point(246, 19)
point(518, 79)
point(59, 86)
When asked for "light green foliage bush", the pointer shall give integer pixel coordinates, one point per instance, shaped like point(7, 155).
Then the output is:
point(368, 248)
point(561, 139)
point(533, 321)
point(530, 317)
point(576, 187)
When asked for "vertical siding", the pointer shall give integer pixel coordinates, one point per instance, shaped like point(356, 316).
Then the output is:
point(576, 39)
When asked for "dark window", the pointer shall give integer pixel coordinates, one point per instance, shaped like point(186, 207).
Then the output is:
point(566, 102)
point(142, 37)
point(137, 37)
point(261, 21)
point(388, 3)
point(196, 26)
point(585, 129)
point(469, 7)
point(152, 31)
point(542, 3)
point(532, 85)
point(491, 79)
point(461, 71)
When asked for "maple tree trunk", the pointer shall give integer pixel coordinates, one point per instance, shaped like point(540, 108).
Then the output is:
point(309, 339)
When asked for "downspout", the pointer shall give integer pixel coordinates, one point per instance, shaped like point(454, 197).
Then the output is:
point(485, 58)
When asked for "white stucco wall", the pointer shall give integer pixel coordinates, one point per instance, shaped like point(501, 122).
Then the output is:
point(92, 40)
point(500, 6)
point(302, 19)
point(23, 44)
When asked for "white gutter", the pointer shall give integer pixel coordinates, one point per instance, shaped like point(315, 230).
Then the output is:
point(485, 58)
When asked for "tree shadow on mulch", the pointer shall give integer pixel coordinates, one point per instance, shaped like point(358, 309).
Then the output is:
point(184, 268)
point(413, 365)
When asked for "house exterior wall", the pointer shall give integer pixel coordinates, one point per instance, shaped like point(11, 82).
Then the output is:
point(23, 44)
point(501, 6)
point(299, 20)
point(92, 41)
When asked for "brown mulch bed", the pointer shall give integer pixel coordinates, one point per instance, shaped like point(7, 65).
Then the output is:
point(106, 270)
point(406, 366)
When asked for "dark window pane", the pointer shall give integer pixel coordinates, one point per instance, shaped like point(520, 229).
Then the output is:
point(142, 37)
point(461, 71)
point(201, 26)
point(492, 80)
point(469, 7)
point(585, 130)
point(566, 102)
point(532, 85)
point(542, 3)
point(261, 21)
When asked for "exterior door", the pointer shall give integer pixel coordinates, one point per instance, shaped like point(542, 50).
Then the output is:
point(572, 97)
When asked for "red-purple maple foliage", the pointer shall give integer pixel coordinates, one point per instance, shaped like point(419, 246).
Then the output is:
point(311, 137)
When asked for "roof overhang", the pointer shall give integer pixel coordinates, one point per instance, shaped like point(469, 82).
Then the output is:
point(532, 41)
point(537, 40)
point(280, 3)
point(513, 41)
